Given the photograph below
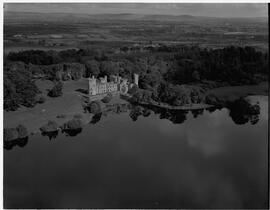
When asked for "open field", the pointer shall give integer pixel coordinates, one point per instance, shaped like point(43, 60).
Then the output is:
point(234, 92)
point(69, 104)
point(75, 31)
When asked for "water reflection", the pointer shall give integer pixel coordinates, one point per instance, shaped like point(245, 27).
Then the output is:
point(240, 111)
point(197, 112)
point(51, 135)
point(21, 142)
point(175, 116)
point(207, 162)
point(135, 112)
point(96, 118)
point(72, 132)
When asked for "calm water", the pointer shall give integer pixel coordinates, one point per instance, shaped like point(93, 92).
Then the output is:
point(184, 160)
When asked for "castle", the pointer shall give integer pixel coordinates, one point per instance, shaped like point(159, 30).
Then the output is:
point(116, 84)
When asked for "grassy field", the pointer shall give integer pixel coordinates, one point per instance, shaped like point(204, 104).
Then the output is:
point(232, 93)
point(69, 104)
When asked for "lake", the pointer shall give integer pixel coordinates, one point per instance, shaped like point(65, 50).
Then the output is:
point(142, 159)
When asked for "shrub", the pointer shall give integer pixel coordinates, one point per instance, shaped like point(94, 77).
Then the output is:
point(22, 131)
point(141, 96)
point(49, 127)
point(73, 124)
point(10, 134)
point(107, 98)
point(41, 99)
point(133, 90)
point(95, 107)
point(56, 90)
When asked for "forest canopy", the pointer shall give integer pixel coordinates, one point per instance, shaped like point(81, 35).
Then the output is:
point(162, 70)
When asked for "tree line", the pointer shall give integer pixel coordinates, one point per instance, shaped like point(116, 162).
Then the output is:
point(163, 71)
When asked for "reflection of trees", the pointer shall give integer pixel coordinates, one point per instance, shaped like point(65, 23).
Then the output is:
point(213, 108)
point(21, 142)
point(146, 112)
point(51, 135)
point(175, 116)
point(197, 112)
point(110, 108)
point(241, 112)
point(135, 112)
point(116, 108)
point(178, 117)
point(96, 118)
point(72, 132)
point(254, 119)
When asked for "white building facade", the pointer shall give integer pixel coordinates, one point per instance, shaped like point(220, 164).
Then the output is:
point(116, 84)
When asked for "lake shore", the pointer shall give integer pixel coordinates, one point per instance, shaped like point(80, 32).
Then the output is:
point(70, 104)
point(232, 93)
point(59, 109)
point(217, 97)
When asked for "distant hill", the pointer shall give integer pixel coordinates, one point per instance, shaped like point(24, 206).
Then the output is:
point(24, 17)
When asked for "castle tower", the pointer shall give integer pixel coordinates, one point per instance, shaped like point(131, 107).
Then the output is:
point(92, 87)
point(136, 79)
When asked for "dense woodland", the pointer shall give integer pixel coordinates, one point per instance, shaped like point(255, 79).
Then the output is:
point(166, 73)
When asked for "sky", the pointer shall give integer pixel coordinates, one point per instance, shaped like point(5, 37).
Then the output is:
point(195, 9)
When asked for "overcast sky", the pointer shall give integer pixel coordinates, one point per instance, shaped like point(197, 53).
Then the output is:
point(213, 10)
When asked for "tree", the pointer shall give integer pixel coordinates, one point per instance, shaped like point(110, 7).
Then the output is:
point(107, 98)
point(133, 90)
point(51, 126)
point(56, 90)
point(72, 124)
point(19, 88)
point(95, 107)
point(109, 68)
point(142, 96)
point(196, 75)
point(92, 68)
point(40, 99)
point(11, 98)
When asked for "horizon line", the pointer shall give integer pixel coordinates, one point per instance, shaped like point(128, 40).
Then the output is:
point(131, 13)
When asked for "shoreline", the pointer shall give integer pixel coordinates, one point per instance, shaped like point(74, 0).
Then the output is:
point(70, 104)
